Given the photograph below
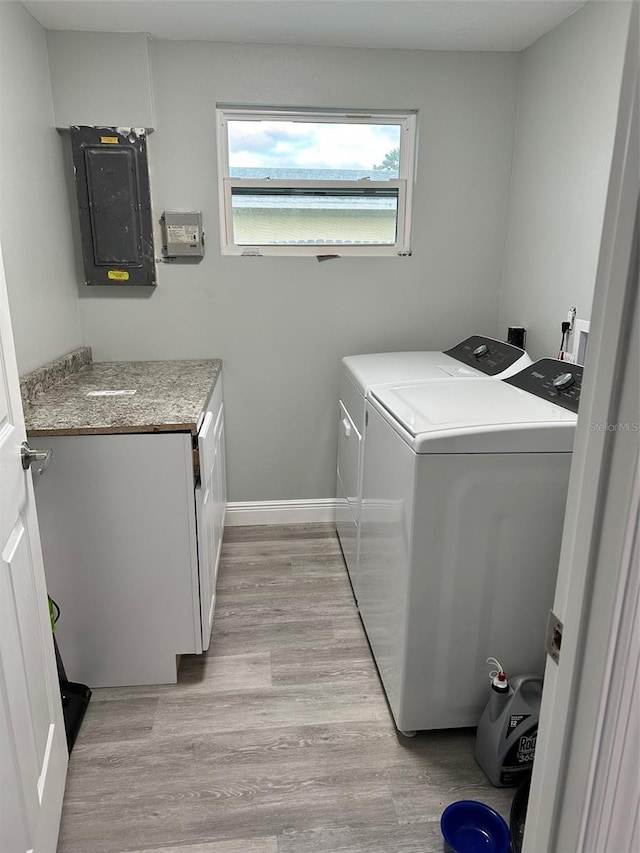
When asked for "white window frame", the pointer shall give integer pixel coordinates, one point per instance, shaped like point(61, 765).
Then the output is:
point(404, 184)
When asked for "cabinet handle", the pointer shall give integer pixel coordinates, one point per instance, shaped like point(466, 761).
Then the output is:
point(346, 426)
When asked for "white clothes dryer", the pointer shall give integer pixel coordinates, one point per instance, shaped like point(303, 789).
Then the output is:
point(464, 492)
point(477, 357)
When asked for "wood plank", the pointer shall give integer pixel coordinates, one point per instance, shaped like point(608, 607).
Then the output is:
point(353, 750)
point(369, 839)
point(235, 845)
point(279, 532)
point(257, 806)
point(271, 707)
point(337, 662)
point(256, 608)
point(213, 674)
point(283, 576)
point(260, 549)
point(235, 636)
point(126, 720)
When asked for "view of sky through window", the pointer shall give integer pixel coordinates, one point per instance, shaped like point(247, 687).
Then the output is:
point(318, 148)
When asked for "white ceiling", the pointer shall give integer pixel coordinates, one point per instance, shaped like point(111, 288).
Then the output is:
point(420, 24)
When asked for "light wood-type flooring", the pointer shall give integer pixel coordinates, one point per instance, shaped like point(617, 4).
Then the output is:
point(278, 740)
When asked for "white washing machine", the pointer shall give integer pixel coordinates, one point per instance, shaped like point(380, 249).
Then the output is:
point(464, 493)
point(477, 357)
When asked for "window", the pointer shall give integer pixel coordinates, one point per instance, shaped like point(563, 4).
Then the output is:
point(308, 182)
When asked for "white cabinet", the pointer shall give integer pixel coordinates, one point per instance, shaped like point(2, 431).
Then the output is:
point(347, 511)
point(131, 537)
point(349, 474)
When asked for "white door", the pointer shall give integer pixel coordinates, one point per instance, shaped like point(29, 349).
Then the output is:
point(33, 750)
point(585, 787)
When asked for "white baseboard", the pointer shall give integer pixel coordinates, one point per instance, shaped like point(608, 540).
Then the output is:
point(243, 513)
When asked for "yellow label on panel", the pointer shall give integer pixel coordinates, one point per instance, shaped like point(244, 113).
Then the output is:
point(111, 140)
point(118, 275)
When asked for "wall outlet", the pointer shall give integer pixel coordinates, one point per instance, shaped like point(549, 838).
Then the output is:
point(580, 340)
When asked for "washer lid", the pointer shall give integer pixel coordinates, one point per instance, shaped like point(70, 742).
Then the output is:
point(475, 417)
point(386, 368)
point(475, 357)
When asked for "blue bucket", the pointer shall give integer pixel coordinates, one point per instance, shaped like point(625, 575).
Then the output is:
point(471, 827)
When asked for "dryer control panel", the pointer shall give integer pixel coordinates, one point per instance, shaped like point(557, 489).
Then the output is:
point(489, 356)
point(560, 382)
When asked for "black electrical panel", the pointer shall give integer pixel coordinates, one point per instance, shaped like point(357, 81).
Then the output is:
point(114, 203)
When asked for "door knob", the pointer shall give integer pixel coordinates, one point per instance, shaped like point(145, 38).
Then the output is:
point(29, 456)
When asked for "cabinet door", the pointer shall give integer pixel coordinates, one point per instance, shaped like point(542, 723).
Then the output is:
point(206, 521)
point(219, 487)
point(349, 440)
point(210, 508)
point(347, 492)
point(223, 471)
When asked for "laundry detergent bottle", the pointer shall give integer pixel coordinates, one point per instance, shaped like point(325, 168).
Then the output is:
point(506, 738)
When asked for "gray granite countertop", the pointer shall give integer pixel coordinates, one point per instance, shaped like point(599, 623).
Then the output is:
point(169, 396)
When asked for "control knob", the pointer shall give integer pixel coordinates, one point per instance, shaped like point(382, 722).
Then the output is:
point(564, 380)
point(483, 349)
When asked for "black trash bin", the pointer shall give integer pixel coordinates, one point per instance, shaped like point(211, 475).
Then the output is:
point(519, 814)
point(75, 697)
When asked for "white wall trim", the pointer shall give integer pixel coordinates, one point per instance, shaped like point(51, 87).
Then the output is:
point(613, 779)
point(242, 513)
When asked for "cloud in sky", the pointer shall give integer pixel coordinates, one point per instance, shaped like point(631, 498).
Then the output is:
point(319, 145)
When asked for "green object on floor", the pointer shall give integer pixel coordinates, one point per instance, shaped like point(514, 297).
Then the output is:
point(52, 615)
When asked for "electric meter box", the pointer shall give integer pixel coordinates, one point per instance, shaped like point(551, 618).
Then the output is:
point(182, 235)
point(114, 205)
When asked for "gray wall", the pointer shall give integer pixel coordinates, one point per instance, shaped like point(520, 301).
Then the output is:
point(282, 324)
point(35, 229)
point(567, 107)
